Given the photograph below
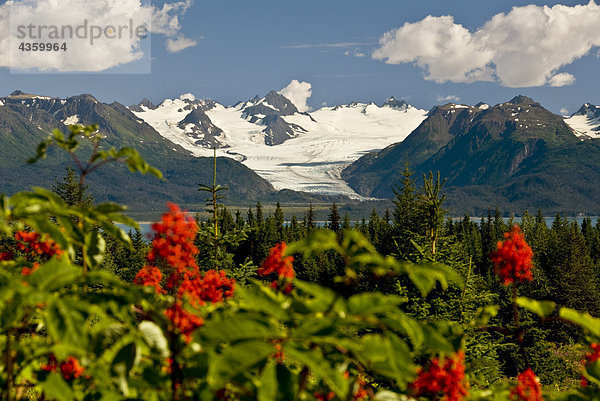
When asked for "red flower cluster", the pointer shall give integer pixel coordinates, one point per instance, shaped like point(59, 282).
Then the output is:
point(361, 393)
point(150, 276)
point(445, 378)
point(70, 368)
point(593, 356)
point(32, 245)
point(277, 263)
point(590, 358)
point(173, 249)
point(173, 244)
point(5, 256)
point(528, 387)
point(513, 258)
point(324, 397)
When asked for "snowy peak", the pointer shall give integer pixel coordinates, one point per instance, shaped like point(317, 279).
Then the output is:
point(520, 99)
point(393, 103)
point(199, 126)
point(585, 121)
point(144, 103)
point(588, 110)
point(272, 104)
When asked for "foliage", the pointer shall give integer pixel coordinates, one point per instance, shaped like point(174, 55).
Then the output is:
point(88, 328)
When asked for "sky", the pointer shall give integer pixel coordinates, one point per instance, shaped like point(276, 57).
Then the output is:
point(426, 52)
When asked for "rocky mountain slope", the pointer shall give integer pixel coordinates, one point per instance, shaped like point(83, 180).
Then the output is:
point(516, 155)
point(290, 149)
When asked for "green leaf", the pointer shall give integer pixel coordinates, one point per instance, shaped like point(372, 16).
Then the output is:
point(55, 387)
point(256, 298)
point(540, 308)
point(54, 275)
point(95, 247)
point(483, 315)
point(236, 359)
point(267, 390)
point(317, 298)
point(321, 368)
point(425, 277)
point(154, 337)
point(314, 244)
point(584, 320)
point(387, 356)
point(403, 324)
point(66, 322)
point(371, 303)
point(240, 327)
point(124, 362)
point(287, 384)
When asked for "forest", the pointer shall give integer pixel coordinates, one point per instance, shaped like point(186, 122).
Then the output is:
point(246, 306)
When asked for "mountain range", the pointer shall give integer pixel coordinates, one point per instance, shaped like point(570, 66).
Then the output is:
point(27, 119)
point(515, 155)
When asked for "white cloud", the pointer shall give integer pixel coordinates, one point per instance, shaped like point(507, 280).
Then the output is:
point(562, 79)
point(522, 48)
point(355, 53)
point(187, 96)
point(449, 98)
point(564, 111)
point(298, 93)
point(179, 44)
point(84, 54)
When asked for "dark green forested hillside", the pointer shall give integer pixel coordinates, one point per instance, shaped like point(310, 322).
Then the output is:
point(515, 155)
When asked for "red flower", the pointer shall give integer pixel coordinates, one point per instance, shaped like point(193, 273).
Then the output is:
point(173, 249)
point(150, 276)
point(277, 263)
point(70, 368)
point(173, 244)
point(528, 387)
point(361, 393)
point(590, 358)
point(513, 258)
point(324, 397)
point(52, 364)
point(31, 243)
point(593, 356)
point(445, 378)
point(213, 287)
point(5, 256)
point(185, 321)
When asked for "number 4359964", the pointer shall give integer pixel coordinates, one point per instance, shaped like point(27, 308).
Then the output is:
point(42, 47)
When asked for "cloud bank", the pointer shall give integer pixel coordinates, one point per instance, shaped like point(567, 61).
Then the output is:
point(298, 93)
point(525, 47)
point(105, 46)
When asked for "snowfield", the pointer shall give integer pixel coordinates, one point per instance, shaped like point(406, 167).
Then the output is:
point(584, 126)
point(312, 161)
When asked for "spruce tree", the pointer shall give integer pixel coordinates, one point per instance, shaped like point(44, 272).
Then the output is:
point(334, 218)
point(71, 191)
point(311, 223)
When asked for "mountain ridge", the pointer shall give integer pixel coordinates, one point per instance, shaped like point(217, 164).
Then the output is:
point(516, 149)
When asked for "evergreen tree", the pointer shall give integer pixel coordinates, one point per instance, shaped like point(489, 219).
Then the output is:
point(346, 224)
point(279, 220)
point(334, 218)
point(311, 223)
point(71, 191)
point(259, 214)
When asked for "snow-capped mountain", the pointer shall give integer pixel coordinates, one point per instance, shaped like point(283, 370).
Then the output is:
point(290, 149)
point(586, 121)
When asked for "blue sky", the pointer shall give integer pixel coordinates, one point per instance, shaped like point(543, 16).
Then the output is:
point(244, 48)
